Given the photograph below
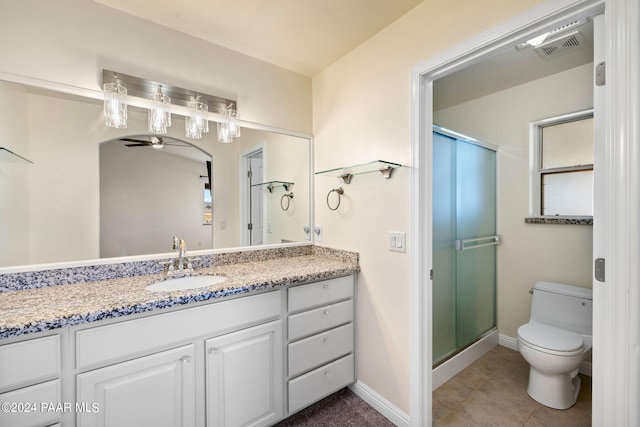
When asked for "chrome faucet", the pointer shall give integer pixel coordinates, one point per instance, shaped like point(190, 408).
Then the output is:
point(181, 246)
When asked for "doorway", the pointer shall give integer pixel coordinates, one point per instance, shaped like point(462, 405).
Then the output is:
point(252, 206)
point(539, 19)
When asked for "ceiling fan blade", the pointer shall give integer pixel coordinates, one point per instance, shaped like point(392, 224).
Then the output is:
point(135, 140)
point(139, 144)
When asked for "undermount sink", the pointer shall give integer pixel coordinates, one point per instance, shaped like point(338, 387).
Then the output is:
point(184, 283)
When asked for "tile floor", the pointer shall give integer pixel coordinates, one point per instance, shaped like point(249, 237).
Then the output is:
point(493, 392)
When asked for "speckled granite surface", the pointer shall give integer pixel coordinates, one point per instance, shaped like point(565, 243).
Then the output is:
point(92, 273)
point(551, 220)
point(38, 309)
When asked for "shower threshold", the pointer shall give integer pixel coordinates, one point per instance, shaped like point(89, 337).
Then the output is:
point(448, 367)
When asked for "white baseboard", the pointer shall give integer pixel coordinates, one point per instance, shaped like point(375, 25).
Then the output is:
point(508, 342)
point(380, 404)
point(512, 343)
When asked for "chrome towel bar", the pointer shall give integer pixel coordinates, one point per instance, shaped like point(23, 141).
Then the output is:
point(464, 245)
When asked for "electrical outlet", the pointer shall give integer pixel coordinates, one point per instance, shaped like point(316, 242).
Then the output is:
point(318, 232)
point(397, 241)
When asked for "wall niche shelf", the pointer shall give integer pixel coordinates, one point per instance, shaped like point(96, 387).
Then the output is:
point(270, 185)
point(347, 172)
point(8, 156)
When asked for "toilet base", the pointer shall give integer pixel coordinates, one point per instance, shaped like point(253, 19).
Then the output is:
point(554, 391)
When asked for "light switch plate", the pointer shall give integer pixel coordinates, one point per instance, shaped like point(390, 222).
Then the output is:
point(397, 241)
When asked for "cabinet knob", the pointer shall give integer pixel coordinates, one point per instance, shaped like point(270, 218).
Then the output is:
point(327, 374)
point(325, 340)
point(326, 312)
point(325, 286)
point(185, 359)
point(213, 350)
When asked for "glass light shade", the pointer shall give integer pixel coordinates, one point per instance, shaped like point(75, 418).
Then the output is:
point(234, 127)
point(160, 114)
point(224, 134)
point(115, 105)
point(196, 124)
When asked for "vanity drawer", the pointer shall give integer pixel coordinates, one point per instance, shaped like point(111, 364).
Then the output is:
point(35, 405)
point(320, 293)
point(319, 349)
point(27, 362)
point(321, 382)
point(133, 338)
point(320, 319)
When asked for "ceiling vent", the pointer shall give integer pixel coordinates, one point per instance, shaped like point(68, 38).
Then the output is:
point(561, 44)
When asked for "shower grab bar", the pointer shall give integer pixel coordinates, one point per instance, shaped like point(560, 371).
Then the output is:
point(461, 245)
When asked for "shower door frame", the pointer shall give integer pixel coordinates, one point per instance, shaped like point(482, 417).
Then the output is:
point(616, 301)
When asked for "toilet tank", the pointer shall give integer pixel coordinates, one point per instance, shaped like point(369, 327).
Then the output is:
point(564, 306)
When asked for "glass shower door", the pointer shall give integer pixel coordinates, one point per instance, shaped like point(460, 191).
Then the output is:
point(464, 252)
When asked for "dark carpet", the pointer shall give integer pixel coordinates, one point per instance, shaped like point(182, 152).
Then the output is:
point(342, 408)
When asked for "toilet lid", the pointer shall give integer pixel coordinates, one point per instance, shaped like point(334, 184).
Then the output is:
point(549, 337)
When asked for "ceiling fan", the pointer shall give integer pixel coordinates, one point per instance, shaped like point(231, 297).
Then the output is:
point(153, 141)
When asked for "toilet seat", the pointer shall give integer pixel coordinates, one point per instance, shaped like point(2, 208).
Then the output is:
point(549, 339)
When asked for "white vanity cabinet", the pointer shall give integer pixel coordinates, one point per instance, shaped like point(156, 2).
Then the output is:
point(30, 389)
point(245, 361)
point(244, 377)
point(160, 370)
point(155, 390)
point(321, 340)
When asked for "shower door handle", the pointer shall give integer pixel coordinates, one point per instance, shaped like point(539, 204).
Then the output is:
point(464, 245)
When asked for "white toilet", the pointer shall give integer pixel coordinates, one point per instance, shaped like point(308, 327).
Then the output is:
point(555, 341)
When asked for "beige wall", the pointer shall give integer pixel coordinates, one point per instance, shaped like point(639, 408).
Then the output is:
point(361, 112)
point(71, 41)
point(529, 252)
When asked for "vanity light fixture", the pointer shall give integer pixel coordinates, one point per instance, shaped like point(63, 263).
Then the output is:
point(229, 127)
point(115, 104)
point(196, 123)
point(159, 113)
point(162, 100)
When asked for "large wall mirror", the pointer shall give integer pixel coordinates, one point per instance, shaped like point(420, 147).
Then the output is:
point(96, 192)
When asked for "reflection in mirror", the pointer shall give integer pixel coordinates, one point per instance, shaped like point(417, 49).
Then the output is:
point(88, 195)
point(151, 188)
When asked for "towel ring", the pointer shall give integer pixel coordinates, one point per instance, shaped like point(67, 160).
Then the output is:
point(340, 192)
point(287, 196)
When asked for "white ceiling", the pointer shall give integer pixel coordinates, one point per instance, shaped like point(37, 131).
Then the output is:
point(304, 36)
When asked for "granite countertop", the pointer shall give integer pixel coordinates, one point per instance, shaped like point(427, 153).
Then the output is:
point(34, 310)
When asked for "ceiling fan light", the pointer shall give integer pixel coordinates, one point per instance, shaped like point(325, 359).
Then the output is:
point(115, 105)
point(160, 113)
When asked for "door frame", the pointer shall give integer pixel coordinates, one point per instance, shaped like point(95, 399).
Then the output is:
point(245, 193)
point(616, 367)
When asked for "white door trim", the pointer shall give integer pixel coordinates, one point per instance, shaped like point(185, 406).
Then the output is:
point(617, 369)
point(244, 191)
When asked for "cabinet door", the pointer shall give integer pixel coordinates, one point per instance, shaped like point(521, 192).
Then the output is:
point(244, 377)
point(156, 390)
